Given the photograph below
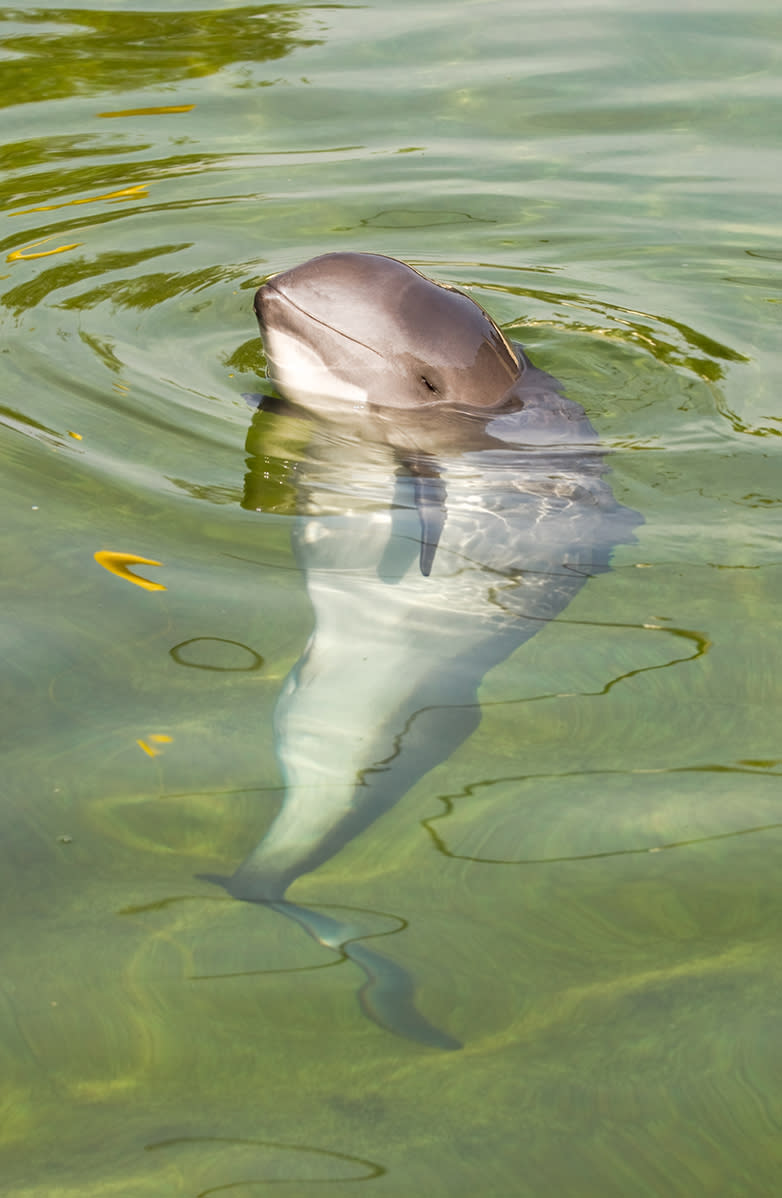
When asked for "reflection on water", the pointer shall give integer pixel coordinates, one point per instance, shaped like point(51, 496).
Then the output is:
point(59, 53)
point(605, 182)
point(616, 323)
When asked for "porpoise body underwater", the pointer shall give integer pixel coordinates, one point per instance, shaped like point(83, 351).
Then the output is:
point(496, 513)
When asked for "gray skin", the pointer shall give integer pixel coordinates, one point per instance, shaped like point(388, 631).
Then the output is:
point(383, 334)
point(414, 606)
point(415, 364)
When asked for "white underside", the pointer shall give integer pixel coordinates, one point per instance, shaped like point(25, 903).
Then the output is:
point(302, 375)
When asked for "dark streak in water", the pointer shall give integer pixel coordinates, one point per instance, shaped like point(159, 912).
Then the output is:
point(469, 791)
point(342, 954)
point(702, 642)
point(374, 1169)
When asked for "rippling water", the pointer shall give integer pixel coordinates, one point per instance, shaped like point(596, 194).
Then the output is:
point(587, 892)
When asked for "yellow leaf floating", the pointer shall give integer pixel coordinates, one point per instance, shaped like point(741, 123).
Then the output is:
point(156, 110)
point(159, 738)
point(21, 255)
point(117, 563)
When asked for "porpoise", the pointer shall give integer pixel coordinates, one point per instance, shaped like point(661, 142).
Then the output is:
point(460, 509)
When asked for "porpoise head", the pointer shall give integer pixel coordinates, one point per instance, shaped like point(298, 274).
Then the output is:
point(367, 331)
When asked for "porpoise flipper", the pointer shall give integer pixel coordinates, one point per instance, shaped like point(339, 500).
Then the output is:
point(427, 494)
point(429, 491)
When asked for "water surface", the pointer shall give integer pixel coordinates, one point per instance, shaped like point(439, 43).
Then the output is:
point(587, 892)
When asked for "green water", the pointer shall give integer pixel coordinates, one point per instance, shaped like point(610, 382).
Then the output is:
point(587, 893)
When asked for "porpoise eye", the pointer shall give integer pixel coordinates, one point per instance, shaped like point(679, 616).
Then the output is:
point(431, 386)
